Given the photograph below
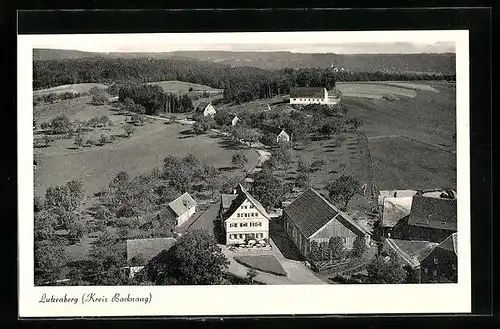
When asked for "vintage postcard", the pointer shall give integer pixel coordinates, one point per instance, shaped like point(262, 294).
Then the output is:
point(216, 174)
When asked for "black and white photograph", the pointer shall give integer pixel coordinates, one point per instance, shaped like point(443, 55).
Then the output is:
point(308, 159)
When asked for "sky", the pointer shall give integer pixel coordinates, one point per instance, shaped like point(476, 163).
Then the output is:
point(298, 42)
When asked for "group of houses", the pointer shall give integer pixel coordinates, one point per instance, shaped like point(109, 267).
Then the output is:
point(314, 95)
point(421, 228)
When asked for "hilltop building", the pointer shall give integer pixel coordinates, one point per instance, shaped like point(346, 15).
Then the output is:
point(313, 95)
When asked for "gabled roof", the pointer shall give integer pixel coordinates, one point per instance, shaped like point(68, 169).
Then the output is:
point(394, 194)
point(450, 243)
point(146, 249)
point(307, 92)
point(203, 105)
point(311, 211)
point(241, 197)
point(395, 209)
point(272, 129)
point(436, 213)
point(182, 204)
point(227, 200)
point(410, 252)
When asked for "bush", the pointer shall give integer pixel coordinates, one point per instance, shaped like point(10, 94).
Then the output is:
point(89, 143)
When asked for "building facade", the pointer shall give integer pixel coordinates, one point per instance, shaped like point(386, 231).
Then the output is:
point(181, 209)
point(243, 217)
point(312, 219)
point(441, 264)
point(206, 108)
point(314, 95)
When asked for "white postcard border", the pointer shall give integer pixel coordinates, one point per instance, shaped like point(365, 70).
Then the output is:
point(241, 300)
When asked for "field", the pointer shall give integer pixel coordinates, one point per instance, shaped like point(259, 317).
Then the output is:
point(183, 87)
point(374, 90)
point(76, 88)
point(143, 151)
point(411, 139)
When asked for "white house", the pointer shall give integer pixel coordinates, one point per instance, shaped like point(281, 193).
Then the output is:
point(235, 120)
point(313, 95)
point(243, 217)
point(280, 134)
point(181, 209)
point(206, 108)
point(141, 251)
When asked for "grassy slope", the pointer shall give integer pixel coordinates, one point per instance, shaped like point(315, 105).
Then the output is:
point(144, 151)
point(401, 163)
point(181, 86)
point(78, 88)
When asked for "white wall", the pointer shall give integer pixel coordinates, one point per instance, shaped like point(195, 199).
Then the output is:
point(185, 216)
point(245, 208)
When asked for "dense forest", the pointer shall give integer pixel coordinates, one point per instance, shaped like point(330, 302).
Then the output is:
point(240, 84)
point(154, 99)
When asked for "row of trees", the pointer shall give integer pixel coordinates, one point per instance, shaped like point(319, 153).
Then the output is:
point(53, 97)
point(152, 99)
point(240, 84)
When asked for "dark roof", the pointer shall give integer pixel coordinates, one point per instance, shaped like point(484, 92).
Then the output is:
point(202, 105)
point(272, 129)
point(410, 252)
point(240, 198)
point(227, 200)
point(434, 213)
point(307, 92)
point(146, 249)
point(450, 243)
point(311, 211)
point(182, 204)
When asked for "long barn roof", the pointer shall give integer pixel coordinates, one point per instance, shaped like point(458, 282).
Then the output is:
point(307, 92)
point(436, 213)
point(311, 211)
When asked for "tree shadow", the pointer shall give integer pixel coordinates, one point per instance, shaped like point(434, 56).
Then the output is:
point(219, 231)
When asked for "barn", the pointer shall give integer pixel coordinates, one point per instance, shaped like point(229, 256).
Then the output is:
point(280, 134)
point(312, 219)
point(206, 109)
point(441, 264)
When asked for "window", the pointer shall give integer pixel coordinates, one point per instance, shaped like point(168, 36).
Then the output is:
point(233, 225)
point(251, 206)
point(246, 215)
point(238, 215)
point(259, 224)
point(243, 224)
point(241, 236)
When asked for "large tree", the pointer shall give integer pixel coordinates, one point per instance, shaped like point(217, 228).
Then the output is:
point(266, 188)
point(343, 189)
point(386, 270)
point(195, 259)
point(239, 159)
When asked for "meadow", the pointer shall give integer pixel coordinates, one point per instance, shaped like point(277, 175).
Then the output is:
point(411, 140)
point(74, 88)
point(143, 151)
point(183, 87)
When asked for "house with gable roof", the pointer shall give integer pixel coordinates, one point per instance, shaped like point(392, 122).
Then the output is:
point(141, 251)
point(243, 217)
point(180, 209)
point(311, 218)
point(441, 263)
point(206, 108)
point(279, 133)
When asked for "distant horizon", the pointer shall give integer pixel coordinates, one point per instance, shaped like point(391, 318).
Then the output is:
point(246, 51)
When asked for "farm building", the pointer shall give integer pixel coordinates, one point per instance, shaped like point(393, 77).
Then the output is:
point(409, 254)
point(311, 218)
point(280, 134)
point(243, 217)
point(393, 213)
point(206, 108)
point(113, 99)
point(181, 209)
point(141, 251)
point(430, 219)
point(313, 95)
point(235, 120)
point(441, 263)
